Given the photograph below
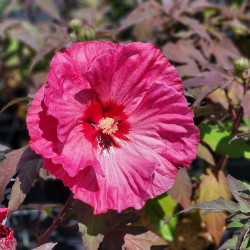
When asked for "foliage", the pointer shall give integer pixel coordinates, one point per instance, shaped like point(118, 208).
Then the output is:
point(238, 216)
point(207, 43)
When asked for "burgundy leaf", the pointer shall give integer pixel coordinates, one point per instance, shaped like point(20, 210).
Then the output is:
point(215, 206)
point(95, 227)
point(240, 192)
point(181, 191)
point(142, 241)
point(141, 13)
point(28, 168)
point(205, 154)
point(183, 52)
point(196, 26)
point(245, 104)
point(47, 246)
point(53, 41)
point(201, 5)
point(16, 197)
point(8, 168)
point(50, 7)
point(7, 23)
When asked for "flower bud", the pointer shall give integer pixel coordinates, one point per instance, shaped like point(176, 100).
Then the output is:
point(87, 33)
point(75, 24)
point(241, 64)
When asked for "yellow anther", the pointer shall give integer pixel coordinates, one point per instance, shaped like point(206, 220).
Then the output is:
point(108, 125)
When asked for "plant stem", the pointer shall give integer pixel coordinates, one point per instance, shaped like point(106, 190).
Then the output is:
point(241, 111)
point(223, 159)
point(56, 222)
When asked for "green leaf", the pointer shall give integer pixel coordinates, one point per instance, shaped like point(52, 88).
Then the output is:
point(160, 208)
point(238, 215)
point(229, 244)
point(237, 224)
point(218, 139)
point(15, 101)
point(243, 241)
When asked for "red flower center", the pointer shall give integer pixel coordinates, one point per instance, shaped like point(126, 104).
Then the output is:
point(105, 125)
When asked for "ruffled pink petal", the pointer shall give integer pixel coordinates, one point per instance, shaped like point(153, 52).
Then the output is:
point(43, 139)
point(3, 214)
point(67, 91)
point(125, 73)
point(127, 179)
point(76, 153)
point(42, 127)
point(164, 122)
point(83, 54)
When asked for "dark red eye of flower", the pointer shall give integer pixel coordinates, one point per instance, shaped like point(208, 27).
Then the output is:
point(104, 125)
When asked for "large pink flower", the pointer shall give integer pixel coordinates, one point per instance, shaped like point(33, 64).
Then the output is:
point(7, 240)
point(112, 123)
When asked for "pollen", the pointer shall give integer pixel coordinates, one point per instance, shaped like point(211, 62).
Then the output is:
point(108, 125)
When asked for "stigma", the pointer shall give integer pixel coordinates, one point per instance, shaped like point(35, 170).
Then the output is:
point(108, 125)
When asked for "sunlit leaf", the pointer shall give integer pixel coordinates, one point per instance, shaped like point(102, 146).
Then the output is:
point(218, 139)
point(237, 224)
point(159, 209)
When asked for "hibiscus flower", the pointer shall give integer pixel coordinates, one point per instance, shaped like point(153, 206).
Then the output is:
point(113, 124)
point(7, 240)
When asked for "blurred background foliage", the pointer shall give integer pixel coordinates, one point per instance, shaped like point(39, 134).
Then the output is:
point(203, 39)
